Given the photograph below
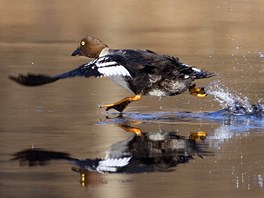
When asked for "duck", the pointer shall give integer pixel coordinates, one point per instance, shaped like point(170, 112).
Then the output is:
point(143, 72)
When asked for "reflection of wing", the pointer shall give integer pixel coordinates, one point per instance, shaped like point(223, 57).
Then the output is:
point(111, 164)
point(36, 157)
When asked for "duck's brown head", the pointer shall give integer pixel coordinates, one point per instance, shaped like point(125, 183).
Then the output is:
point(90, 47)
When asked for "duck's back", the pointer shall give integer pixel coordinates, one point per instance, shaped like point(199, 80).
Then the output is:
point(152, 63)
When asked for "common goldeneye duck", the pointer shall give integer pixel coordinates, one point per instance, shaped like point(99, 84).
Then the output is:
point(143, 72)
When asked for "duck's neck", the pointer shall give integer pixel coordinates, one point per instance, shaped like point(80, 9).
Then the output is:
point(104, 52)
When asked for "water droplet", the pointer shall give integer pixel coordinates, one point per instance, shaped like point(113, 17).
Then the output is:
point(261, 55)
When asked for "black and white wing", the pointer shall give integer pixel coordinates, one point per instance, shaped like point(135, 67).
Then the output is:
point(105, 66)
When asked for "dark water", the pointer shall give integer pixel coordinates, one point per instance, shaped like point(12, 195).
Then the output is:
point(58, 134)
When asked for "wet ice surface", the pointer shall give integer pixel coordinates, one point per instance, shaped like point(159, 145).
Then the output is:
point(161, 150)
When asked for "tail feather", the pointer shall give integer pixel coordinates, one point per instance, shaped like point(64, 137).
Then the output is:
point(203, 74)
point(193, 72)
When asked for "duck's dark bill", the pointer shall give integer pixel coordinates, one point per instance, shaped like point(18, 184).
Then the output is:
point(76, 52)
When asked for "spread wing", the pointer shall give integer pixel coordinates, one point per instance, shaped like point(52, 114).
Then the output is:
point(129, 63)
point(105, 66)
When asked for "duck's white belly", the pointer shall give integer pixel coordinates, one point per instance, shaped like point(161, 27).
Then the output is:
point(157, 92)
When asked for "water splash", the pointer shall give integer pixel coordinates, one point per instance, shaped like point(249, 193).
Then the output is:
point(231, 101)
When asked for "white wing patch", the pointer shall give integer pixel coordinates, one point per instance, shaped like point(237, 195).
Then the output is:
point(105, 64)
point(107, 67)
point(113, 70)
point(196, 69)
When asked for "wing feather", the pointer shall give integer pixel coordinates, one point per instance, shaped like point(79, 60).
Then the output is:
point(102, 67)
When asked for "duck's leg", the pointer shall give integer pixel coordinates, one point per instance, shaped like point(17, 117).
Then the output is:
point(122, 104)
point(197, 91)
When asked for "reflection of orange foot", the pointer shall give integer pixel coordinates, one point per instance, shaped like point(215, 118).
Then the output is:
point(135, 130)
point(199, 135)
point(197, 91)
point(122, 104)
point(89, 179)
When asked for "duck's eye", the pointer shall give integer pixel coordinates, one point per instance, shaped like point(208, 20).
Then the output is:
point(82, 43)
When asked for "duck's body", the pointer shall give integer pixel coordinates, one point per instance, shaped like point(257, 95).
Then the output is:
point(151, 73)
point(148, 73)
point(141, 71)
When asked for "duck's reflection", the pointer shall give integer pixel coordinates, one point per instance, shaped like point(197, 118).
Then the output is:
point(141, 152)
